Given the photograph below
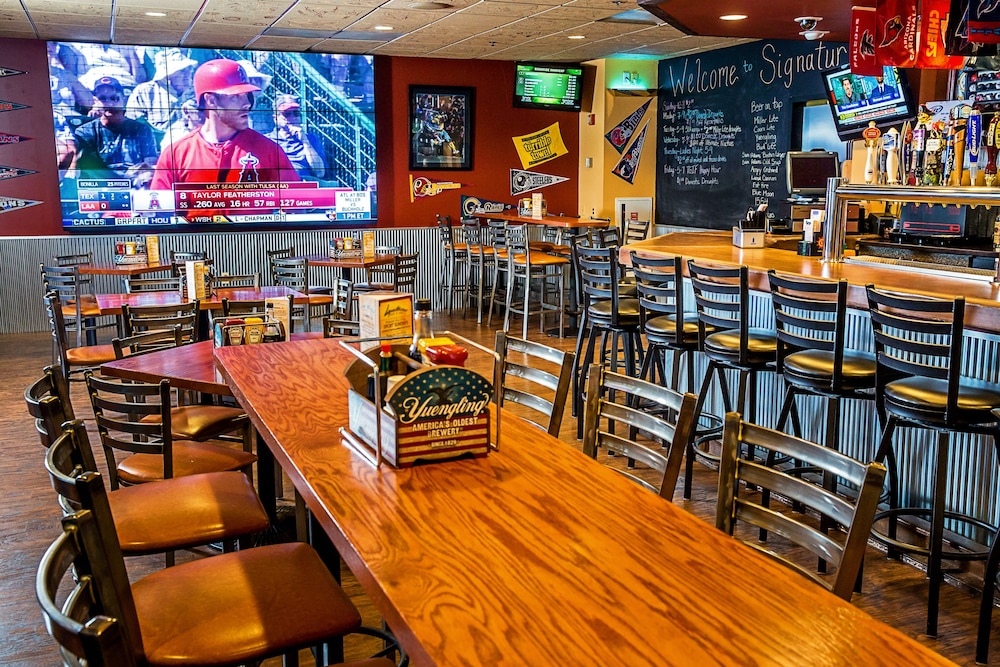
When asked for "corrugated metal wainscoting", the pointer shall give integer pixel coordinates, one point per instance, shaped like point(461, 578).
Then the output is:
point(21, 308)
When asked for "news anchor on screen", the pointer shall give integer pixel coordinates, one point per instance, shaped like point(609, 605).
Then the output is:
point(224, 149)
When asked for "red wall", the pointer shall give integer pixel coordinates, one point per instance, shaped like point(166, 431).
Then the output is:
point(495, 122)
point(38, 153)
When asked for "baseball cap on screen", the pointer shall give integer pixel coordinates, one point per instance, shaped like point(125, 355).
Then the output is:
point(222, 76)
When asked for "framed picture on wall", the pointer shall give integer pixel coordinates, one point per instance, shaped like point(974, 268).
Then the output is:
point(441, 127)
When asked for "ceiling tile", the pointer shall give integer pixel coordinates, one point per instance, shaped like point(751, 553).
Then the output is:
point(346, 46)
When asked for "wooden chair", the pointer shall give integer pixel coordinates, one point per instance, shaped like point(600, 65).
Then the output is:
point(161, 619)
point(80, 312)
point(342, 291)
point(401, 277)
point(636, 230)
point(533, 375)
point(280, 253)
point(46, 401)
point(136, 419)
point(72, 360)
point(230, 280)
point(664, 417)
point(334, 327)
point(148, 341)
point(241, 308)
point(74, 259)
point(293, 273)
point(855, 517)
point(172, 514)
point(179, 257)
point(138, 319)
point(136, 285)
point(919, 384)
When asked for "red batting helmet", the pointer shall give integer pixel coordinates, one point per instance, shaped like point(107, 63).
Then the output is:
point(222, 76)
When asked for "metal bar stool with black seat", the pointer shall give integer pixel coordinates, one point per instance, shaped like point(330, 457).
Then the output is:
point(727, 339)
point(454, 258)
point(919, 384)
point(496, 235)
point(525, 265)
point(478, 269)
point(608, 314)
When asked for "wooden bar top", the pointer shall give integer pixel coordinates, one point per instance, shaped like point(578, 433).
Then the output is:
point(124, 269)
point(982, 298)
point(549, 220)
point(537, 554)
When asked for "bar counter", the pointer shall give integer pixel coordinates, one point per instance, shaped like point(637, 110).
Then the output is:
point(982, 298)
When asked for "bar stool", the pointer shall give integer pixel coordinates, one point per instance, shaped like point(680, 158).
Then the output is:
point(606, 313)
point(722, 296)
point(478, 256)
point(525, 265)
point(496, 231)
point(454, 255)
point(919, 384)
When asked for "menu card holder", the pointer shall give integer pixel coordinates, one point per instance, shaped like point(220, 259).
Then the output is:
point(195, 283)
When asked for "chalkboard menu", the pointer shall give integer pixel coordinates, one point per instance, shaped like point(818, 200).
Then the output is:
point(725, 124)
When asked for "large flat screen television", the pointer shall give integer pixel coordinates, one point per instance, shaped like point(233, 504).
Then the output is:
point(857, 100)
point(270, 138)
point(548, 86)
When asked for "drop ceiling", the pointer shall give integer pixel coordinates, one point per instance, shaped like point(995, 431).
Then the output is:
point(468, 29)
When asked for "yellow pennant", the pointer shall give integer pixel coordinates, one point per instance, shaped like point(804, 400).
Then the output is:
point(541, 146)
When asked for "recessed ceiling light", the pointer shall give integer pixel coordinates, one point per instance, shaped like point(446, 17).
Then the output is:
point(431, 4)
point(156, 14)
point(383, 28)
point(576, 37)
point(733, 17)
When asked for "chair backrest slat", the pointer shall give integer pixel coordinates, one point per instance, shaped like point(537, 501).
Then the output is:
point(533, 375)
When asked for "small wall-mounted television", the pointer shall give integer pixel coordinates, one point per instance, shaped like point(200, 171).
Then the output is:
point(552, 86)
point(808, 171)
point(857, 100)
point(133, 152)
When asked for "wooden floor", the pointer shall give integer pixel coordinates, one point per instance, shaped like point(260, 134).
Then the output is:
point(893, 592)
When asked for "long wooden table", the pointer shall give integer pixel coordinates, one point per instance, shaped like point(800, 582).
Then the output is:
point(101, 269)
point(563, 221)
point(111, 304)
point(982, 298)
point(537, 554)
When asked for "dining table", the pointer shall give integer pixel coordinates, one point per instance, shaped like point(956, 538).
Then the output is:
point(111, 304)
point(537, 554)
point(348, 264)
point(130, 270)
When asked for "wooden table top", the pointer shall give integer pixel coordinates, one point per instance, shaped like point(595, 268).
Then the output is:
point(189, 367)
point(550, 220)
point(982, 298)
point(124, 269)
point(537, 554)
point(111, 304)
point(350, 262)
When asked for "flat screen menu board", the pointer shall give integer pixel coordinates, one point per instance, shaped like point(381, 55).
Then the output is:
point(725, 125)
point(154, 137)
point(548, 86)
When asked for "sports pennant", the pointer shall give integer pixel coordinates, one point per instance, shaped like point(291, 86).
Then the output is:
point(8, 204)
point(7, 71)
point(896, 32)
point(956, 35)
point(13, 172)
point(984, 21)
point(11, 106)
point(425, 187)
point(931, 40)
point(541, 146)
point(629, 164)
point(526, 181)
point(862, 38)
point(475, 206)
point(6, 139)
point(623, 131)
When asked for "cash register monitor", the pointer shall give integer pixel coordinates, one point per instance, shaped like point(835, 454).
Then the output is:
point(808, 171)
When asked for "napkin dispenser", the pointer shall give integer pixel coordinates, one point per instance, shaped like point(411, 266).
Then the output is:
point(750, 232)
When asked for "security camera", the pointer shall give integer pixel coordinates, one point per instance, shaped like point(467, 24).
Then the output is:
point(813, 35)
point(808, 23)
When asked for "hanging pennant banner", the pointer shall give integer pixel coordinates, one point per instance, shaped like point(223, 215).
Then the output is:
point(629, 164)
point(475, 206)
point(933, 22)
point(896, 32)
point(8, 204)
point(541, 146)
point(7, 71)
point(862, 51)
point(11, 106)
point(984, 22)
point(425, 187)
point(11, 139)
point(13, 172)
point(623, 131)
point(956, 33)
point(526, 181)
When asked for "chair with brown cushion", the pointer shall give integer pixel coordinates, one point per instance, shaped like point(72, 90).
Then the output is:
point(72, 360)
point(172, 514)
point(796, 522)
point(178, 258)
point(334, 327)
point(138, 319)
point(400, 276)
point(136, 419)
point(80, 312)
point(641, 419)
point(535, 376)
point(293, 273)
point(919, 384)
point(235, 608)
point(135, 285)
point(45, 399)
point(147, 341)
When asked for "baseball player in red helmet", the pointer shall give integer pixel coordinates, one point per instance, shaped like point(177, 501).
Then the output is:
point(224, 149)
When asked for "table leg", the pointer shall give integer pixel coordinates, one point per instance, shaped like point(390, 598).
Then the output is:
point(265, 479)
